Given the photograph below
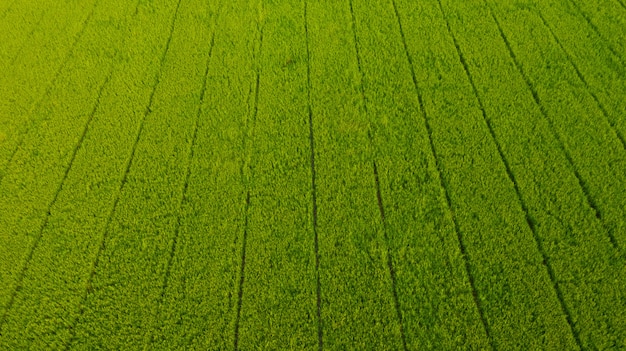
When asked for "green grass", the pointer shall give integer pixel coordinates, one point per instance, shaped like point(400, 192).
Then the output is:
point(313, 174)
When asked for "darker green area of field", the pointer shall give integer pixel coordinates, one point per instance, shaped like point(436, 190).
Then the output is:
point(313, 175)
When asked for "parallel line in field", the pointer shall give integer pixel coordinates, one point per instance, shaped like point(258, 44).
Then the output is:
point(389, 262)
point(251, 117)
point(597, 31)
point(29, 35)
point(509, 172)
point(622, 3)
point(46, 220)
point(4, 14)
point(250, 125)
point(188, 168)
point(313, 185)
point(320, 333)
point(582, 78)
point(358, 62)
point(546, 261)
point(129, 162)
point(241, 272)
point(444, 185)
point(533, 90)
point(49, 88)
point(392, 271)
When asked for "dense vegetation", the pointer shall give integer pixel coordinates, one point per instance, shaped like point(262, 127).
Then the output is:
point(314, 174)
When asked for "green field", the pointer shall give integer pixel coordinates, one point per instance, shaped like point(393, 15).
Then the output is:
point(313, 174)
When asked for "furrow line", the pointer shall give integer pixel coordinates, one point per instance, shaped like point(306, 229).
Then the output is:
point(49, 88)
point(444, 185)
point(358, 60)
point(129, 162)
point(392, 271)
point(241, 273)
point(256, 96)
point(582, 78)
point(390, 268)
point(246, 166)
point(51, 204)
point(158, 76)
point(313, 185)
point(570, 161)
point(249, 125)
point(202, 98)
point(529, 219)
point(28, 36)
point(597, 31)
point(187, 173)
point(622, 3)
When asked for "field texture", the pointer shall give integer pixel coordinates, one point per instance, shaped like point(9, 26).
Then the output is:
point(313, 174)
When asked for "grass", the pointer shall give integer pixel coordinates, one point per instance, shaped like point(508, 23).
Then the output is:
point(312, 174)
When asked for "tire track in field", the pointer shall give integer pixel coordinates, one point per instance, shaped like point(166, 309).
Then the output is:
point(102, 245)
point(444, 184)
point(381, 209)
point(188, 169)
point(242, 272)
point(246, 166)
point(509, 172)
point(51, 205)
point(582, 79)
point(597, 31)
point(576, 173)
point(48, 89)
point(584, 186)
point(29, 35)
point(320, 333)
point(392, 272)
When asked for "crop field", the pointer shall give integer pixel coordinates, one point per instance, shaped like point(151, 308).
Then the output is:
point(313, 175)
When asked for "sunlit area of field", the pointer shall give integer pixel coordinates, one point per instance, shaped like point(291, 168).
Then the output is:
point(313, 175)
